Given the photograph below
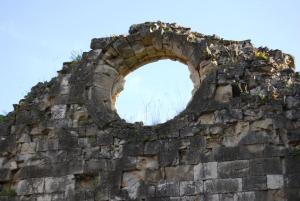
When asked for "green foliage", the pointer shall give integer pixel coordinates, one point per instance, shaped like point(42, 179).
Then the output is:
point(262, 96)
point(8, 192)
point(2, 118)
point(149, 138)
point(95, 182)
point(168, 29)
point(76, 56)
point(243, 88)
point(295, 152)
point(92, 140)
point(113, 36)
point(262, 55)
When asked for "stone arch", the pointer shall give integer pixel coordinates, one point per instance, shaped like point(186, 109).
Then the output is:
point(238, 138)
point(148, 43)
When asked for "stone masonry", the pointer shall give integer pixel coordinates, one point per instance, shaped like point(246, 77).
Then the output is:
point(237, 140)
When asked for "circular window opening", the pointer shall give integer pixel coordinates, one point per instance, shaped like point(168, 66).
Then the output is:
point(155, 93)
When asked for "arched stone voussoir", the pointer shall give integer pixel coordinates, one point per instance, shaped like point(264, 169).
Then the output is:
point(153, 41)
point(147, 43)
point(237, 139)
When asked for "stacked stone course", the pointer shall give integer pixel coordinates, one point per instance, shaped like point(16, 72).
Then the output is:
point(237, 140)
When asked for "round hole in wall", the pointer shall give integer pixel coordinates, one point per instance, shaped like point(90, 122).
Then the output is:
point(155, 93)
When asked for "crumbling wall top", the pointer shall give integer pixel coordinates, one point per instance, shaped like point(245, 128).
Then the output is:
point(238, 138)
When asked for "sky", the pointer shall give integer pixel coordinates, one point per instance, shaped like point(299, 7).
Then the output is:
point(37, 36)
point(155, 93)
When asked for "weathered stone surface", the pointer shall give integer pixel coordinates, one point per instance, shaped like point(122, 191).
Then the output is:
point(191, 188)
point(240, 196)
point(54, 184)
point(5, 174)
point(170, 189)
point(147, 163)
point(275, 181)
point(131, 181)
point(180, 173)
point(58, 111)
point(206, 171)
point(237, 140)
point(94, 166)
point(233, 169)
point(207, 119)
point(293, 164)
point(212, 197)
point(30, 186)
point(293, 181)
point(262, 124)
point(245, 196)
point(227, 196)
point(255, 183)
point(223, 93)
point(265, 166)
point(222, 185)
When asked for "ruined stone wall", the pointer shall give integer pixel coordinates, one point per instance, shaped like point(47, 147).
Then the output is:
point(237, 140)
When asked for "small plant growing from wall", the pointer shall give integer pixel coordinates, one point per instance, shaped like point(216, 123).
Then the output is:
point(243, 88)
point(76, 56)
point(8, 192)
point(262, 55)
point(2, 118)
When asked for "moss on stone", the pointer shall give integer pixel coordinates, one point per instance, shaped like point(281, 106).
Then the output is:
point(8, 192)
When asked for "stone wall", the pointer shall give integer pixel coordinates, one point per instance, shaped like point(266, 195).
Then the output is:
point(237, 140)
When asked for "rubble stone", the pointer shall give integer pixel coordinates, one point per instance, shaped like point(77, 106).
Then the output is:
point(238, 139)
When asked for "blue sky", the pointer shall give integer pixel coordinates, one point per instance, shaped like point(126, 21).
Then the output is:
point(37, 36)
point(155, 93)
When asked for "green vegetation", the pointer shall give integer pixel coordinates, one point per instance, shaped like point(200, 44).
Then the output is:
point(262, 55)
point(295, 152)
point(2, 118)
point(243, 88)
point(96, 182)
point(92, 140)
point(8, 192)
point(240, 88)
point(168, 29)
point(262, 96)
point(113, 36)
point(76, 56)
